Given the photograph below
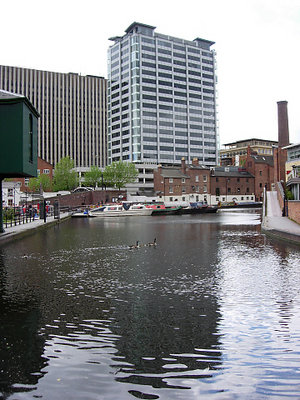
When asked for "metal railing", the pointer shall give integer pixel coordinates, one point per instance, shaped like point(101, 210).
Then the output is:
point(18, 220)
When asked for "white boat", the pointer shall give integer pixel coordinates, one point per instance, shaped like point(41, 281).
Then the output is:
point(82, 214)
point(118, 210)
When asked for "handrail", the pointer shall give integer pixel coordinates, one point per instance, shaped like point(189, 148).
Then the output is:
point(281, 190)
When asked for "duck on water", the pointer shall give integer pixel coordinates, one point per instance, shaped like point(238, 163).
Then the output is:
point(138, 245)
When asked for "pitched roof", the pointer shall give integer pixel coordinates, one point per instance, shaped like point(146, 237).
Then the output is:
point(230, 172)
point(173, 173)
point(263, 159)
point(10, 97)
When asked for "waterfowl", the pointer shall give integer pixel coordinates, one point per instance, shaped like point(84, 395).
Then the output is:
point(135, 246)
point(152, 243)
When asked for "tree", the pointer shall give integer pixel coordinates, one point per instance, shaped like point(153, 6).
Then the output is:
point(120, 173)
point(92, 177)
point(65, 178)
point(42, 181)
point(34, 184)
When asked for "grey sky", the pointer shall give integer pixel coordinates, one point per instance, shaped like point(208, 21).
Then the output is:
point(257, 45)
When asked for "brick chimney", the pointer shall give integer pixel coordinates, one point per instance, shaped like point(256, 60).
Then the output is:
point(183, 165)
point(195, 162)
point(283, 124)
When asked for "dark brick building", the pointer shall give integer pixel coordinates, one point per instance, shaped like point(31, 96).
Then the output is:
point(231, 183)
point(262, 168)
point(185, 183)
point(200, 183)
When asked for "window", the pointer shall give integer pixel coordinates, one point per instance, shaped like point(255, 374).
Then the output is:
point(183, 180)
point(204, 178)
point(30, 138)
point(183, 189)
point(46, 171)
point(171, 189)
point(170, 180)
point(196, 178)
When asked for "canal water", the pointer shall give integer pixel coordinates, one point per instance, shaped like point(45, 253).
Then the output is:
point(212, 311)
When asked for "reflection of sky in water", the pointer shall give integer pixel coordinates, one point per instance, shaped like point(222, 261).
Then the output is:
point(211, 312)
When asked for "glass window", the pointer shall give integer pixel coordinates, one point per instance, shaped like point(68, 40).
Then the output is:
point(30, 138)
point(163, 43)
point(163, 51)
point(178, 55)
point(165, 67)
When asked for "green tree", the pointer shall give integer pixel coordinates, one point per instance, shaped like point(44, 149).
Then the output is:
point(120, 173)
point(65, 178)
point(34, 184)
point(45, 181)
point(42, 181)
point(289, 194)
point(92, 177)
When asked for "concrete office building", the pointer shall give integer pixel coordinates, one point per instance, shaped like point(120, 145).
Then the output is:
point(72, 112)
point(161, 100)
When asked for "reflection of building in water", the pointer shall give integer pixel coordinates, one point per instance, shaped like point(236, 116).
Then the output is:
point(169, 321)
point(21, 347)
point(286, 292)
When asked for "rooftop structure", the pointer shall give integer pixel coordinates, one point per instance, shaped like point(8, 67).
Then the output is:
point(235, 152)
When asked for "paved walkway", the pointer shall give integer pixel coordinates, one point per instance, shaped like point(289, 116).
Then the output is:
point(14, 232)
point(277, 225)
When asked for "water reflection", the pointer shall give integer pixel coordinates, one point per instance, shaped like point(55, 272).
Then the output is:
point(205, 313)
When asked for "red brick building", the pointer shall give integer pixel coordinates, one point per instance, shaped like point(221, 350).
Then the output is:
point(231, 184)
point(188, 183)
point(262, 168)
point(196, 182)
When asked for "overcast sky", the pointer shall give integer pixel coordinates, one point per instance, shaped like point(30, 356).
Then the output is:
point(257, 45)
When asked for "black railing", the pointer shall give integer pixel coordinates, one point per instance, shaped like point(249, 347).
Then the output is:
point(18, 220)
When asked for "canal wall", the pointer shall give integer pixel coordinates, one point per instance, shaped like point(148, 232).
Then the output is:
point(92, 197)
point(22, 230)
point(274, 224)
point(294, 210)
point(292, 206)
